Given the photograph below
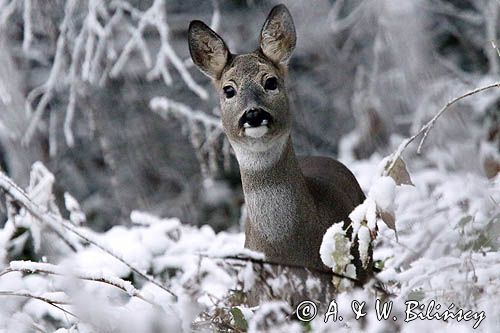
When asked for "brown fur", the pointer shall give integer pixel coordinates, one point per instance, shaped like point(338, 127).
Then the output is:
point(290, 201)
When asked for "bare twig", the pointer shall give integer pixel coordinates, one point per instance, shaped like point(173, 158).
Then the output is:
point(48, 88)
point(27, 33)
point(427, 127)
point(265, 262)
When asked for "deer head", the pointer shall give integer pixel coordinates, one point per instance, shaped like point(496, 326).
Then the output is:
point(253, 97)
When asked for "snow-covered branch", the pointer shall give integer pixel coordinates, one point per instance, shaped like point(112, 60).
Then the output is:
point(427, 127)
point(94, 56)
point(55, 222)
point(166, 107)
point(46, 268)
point(53, 299)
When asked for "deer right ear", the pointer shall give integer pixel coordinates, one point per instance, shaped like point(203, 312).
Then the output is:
point(208, 50)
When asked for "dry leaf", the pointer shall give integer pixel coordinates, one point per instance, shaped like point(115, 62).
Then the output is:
point(399, 173)
point(389, 220)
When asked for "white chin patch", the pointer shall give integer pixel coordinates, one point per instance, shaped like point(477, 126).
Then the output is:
point(256, 132)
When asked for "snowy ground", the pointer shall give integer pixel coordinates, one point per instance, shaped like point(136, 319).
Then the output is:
point(447, 251)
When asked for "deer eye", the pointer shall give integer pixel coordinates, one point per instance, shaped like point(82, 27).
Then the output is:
point(271, 83)
point(229, 91)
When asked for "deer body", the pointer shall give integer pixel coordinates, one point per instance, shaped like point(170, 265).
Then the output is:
point(291, 201)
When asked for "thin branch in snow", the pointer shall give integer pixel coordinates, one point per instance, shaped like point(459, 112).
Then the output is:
point(378, 285)
point(159, 21)
point(55, 222)
point(53, 134)
point(165, 107)
point(136, 41)
point(104, 45)
point(447, 8)
point(44, 298)
point(45, 268)
point(47, 89)
point(491, 13)
point(265, 262)
point(155, 16)
point(27, 33)
point(93, 57)
point(427, 127)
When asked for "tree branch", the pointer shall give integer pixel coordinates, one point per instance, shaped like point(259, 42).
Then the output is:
point(17, 194)
point(55, 303)
point(45, 268)
point(427, 127)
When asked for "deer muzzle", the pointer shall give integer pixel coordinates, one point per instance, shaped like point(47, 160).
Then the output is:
point(255, 117)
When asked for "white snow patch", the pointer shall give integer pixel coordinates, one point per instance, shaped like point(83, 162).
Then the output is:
point(383, 192)
point(364, 240)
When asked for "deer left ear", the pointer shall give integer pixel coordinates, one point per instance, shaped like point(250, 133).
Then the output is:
point(278, 38)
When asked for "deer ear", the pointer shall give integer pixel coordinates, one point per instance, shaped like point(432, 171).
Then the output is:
point(278, 38)
point(208, 50)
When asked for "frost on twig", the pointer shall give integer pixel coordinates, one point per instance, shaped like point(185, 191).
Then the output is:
point(379, 206)
point(54, 299)
point(56, 222)
point(427, 127)
point(90, 48)
point(45, 268)
point(39, 191)
point(76, 215)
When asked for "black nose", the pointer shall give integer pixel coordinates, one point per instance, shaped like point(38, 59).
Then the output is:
point(255, 117)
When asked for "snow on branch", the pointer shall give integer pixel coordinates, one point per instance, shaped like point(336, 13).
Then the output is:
point(46, 268)
point(379, 205)
point(54, 299)
point(155, 16)
point(47, 90)
point(165, 107)
point(88, 52)
point(55, 222)
point(428, 127)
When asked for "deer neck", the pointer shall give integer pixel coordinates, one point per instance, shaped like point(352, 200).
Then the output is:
point(276, 194)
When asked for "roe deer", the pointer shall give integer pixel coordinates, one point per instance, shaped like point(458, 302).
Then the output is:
point(291, 201)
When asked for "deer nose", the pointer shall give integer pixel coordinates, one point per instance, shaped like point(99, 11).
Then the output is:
point(254, 117)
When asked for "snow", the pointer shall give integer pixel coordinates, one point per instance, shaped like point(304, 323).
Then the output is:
point(364, 241)
point(383, 193)
point(76, 215)
point(248, 277)
point(333, 244)
point(446, 251)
